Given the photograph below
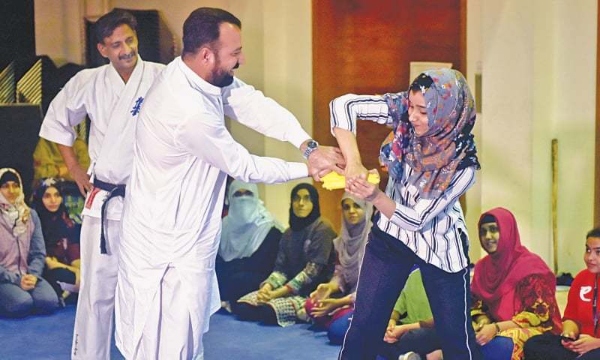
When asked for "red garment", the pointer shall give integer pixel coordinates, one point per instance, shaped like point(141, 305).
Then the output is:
point(498, 275)
point(579, 303)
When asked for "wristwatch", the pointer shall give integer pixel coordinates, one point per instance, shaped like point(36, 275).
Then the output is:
point(311, 146)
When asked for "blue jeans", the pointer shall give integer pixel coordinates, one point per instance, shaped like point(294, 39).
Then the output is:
point(499, 348)
point(16, 302)
point(386, 265)
point(337, 329)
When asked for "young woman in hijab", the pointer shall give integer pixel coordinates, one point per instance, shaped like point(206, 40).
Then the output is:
point(431, 160)
point(331, 304)
point(249, 243)
point(514, 291)
point(305, 259)
point(22, 253)
point(580, 337)
point(513, 294)
point(61, 236)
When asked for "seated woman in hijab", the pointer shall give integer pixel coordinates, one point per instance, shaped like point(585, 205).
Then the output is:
point(305, 259)
point(514, 291)
point(22, 253)
point(249, 243)
point(331, 305)
point(513, 294)
point(61, 236)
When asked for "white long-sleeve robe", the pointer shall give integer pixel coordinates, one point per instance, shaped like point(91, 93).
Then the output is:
point(172, 217)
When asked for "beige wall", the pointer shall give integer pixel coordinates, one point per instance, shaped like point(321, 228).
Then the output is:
point(537, 59)
point(538, 62)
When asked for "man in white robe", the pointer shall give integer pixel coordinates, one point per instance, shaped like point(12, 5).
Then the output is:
point(167, 286)
point(111, 96)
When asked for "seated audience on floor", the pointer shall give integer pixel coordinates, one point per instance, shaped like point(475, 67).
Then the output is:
point(580, 336)
point(331, 305)
point(410, 328)
point(513, 290)
point(304, 260)
point(61, 237)
point(48, 163)
point(249, 243)
point(22, 253)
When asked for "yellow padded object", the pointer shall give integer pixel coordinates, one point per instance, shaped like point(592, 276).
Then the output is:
point(333, 180)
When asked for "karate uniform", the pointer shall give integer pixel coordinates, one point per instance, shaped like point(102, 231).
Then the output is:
point(167, 287)
point(113, 107)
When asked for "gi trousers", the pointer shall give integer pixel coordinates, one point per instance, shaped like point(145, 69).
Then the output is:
point(95, 306)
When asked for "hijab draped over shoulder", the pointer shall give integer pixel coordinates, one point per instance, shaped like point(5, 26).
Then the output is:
point(350, 245)
point(448, 145)
point(498, 274)
point(15, 216)
point(247, 223)
point(16, 226)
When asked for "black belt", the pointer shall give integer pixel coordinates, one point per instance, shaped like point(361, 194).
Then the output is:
point(113, 191)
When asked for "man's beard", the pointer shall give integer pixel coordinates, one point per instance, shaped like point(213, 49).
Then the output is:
point(222, 78)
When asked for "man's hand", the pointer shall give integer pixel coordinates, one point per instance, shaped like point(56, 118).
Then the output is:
point(77, 173)
point(82, 179)
point(324, 160)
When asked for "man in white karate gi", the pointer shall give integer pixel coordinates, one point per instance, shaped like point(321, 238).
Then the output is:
point(167, 287)
point(111, 95)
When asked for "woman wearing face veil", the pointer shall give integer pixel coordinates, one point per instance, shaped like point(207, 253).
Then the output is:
point(249, 243)
point(305, 259)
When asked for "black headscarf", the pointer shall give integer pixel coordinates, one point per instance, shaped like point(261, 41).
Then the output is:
point(297, 223)
point(9, 176)
point(55, 225)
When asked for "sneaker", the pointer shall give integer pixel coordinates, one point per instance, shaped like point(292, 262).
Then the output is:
point(409, 356)
point(225, 305)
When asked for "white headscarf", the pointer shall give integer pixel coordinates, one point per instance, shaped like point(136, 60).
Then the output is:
point(246, 225)
point(350, 245)
point(15, 214)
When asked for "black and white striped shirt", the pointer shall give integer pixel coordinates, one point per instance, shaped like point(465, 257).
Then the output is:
point(430, 227)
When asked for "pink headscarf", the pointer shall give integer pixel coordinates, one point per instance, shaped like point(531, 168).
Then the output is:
point(498, 274)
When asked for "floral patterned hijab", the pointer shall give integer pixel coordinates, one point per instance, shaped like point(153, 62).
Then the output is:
point(447, 146)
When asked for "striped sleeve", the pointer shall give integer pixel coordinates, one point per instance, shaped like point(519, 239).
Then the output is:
point(345, 109)
point(425, 210)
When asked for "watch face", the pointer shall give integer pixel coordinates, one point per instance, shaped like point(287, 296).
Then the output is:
point(311, 146)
